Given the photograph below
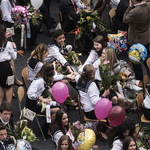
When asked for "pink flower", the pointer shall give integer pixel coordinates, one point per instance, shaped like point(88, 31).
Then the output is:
point(106, 62)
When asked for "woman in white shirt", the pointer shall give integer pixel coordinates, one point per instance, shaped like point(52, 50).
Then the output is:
point(35, 63)
point(108, 53)
point(99, 44)
point(35, 90)
point(8, 51)
point(89, 93)
point(116, 135)
point(6, 7)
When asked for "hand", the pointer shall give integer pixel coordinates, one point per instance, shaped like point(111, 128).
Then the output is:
point(70, 76)
point(14, 45)
point(88, 8)
point(69, 69)
point(15, 142)
point(8, 34)
point(130, 3)
point(106, 92)
point(46, 101)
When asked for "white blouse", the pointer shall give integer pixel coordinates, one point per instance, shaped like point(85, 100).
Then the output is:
point(8, 53)
point(33, 72)
point(146, 101)
point(93, 56)
point(117, 145)
point(90, 98)
point(6, 10)
point(54, 54)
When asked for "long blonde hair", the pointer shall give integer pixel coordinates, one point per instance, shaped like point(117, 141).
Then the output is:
point(111, 56)
point(39, 52)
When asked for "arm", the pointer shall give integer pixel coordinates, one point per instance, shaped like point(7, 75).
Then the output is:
point(90, 60)
point(6, 10)
point(71, 12)
point(128, 15)
point(12, 50)
point(15, 144)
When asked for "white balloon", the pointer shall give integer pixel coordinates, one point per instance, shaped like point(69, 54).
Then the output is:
point(36, 3)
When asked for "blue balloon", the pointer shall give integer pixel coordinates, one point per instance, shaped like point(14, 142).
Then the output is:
point(137, 53)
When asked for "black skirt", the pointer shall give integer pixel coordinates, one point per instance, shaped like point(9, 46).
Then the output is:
point(5, 71)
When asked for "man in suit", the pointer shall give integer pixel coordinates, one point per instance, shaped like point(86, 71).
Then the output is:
point(68, 9)
point(138, 17)
point(5, 114)
point(3, 135)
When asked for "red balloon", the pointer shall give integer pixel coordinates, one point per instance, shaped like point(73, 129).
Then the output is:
point(116, 115)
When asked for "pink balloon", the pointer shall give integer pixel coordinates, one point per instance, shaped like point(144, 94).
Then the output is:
point(60, 92)
point(116, 115)
point(102, 108)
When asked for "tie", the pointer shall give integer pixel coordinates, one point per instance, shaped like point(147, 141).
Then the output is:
point(75, 8)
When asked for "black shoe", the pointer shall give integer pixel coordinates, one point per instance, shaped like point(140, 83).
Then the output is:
point(51, 31)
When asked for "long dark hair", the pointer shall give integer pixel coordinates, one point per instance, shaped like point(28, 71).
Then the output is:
point(3, 39)
point(100, 39)
point(58, 122)
point(128, 124)
point(87, 73)
point(127, 141)
point(65, 138)
point(47, 72)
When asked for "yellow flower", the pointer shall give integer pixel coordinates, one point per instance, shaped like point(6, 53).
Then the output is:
point(88, 18)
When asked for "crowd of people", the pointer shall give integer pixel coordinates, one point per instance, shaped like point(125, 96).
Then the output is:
point(42, 73)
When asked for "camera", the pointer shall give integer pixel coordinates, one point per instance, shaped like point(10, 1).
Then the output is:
point(8, 140)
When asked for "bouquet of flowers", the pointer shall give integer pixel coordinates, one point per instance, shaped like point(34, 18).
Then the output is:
point(21, 131)
point(88, 23)
point(20, 15)
point(144, 141)
point(107, 79)
point(76, 128)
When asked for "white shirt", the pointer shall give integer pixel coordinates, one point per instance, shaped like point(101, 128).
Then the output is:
point(54, 54)
point(146, 101)
point(6, 10)
point(117, 145)
point(97, 72)
point(89, 99)
point(79, 4)
point(93, 56)
point(114, 3)
point(33, 72)
point(36, 88)
point(8, 53)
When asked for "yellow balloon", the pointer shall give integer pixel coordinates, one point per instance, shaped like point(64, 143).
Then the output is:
point(86, 139)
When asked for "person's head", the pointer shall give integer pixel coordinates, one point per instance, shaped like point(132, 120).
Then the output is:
point(62, 120)
point(3, 132)
point(136, 1)
point(3, 39)
point(99, 44)
point(65, 143)
point(59, 37)
point(127, 128)
point(47, 72)
point(5, 111)
point(108, 53)
point(129, 143)
point(40, 52)
point(88, 73)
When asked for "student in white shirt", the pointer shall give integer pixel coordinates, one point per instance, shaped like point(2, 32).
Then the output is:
point(8, 51)
point(55, 47)
point(35, 63)
point(89, 92)
point(108, 53)
point(36, 88)
point(98, 45)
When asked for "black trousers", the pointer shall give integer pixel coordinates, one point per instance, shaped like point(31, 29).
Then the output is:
point(137, 68)
point(46, 17)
